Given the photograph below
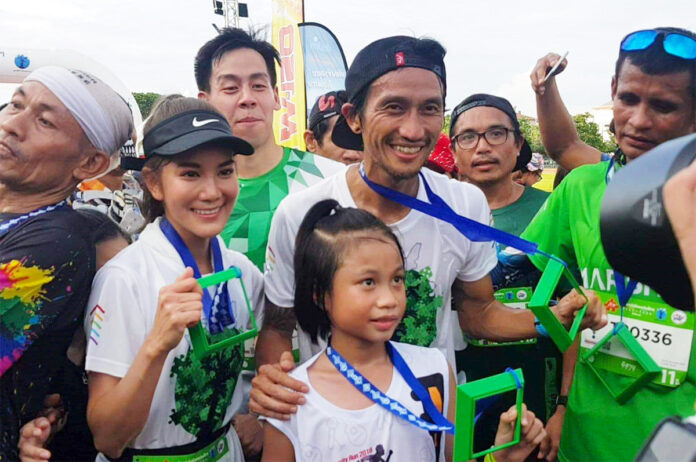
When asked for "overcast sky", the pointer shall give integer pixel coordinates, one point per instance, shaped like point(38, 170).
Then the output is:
point(492, 46)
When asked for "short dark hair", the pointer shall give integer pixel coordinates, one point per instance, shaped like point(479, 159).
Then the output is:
point(654, 60)
point(320, 129)
point(326, 233)
point(230, 39)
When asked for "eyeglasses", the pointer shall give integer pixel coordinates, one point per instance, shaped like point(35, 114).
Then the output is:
point(493, 136)
point(674, 43)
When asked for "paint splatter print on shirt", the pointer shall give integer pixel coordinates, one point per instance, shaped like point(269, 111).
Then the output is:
point(46, 270)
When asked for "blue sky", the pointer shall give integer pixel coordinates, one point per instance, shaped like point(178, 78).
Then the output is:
point(492, 46)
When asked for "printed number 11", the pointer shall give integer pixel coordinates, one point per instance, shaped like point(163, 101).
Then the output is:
point(672, 377)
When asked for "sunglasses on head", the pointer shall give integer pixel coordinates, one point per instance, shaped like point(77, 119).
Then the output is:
point(674, 43)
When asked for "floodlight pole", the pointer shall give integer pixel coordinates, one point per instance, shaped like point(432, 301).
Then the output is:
point(231, 13)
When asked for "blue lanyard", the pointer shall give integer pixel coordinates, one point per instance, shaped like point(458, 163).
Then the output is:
point(439, 209)
point(9, 224)
point(374, 394)
point(217, 311)
point(483, 404)
point(623, 291)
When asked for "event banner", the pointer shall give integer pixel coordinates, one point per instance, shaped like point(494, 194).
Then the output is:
point(324, 62)
point(290, 120)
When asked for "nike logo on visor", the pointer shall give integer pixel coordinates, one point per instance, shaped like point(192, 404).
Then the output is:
point(200, 123)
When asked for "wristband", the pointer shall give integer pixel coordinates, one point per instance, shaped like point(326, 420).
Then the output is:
point(540, 328)
point(489, 458)
point(562, 400)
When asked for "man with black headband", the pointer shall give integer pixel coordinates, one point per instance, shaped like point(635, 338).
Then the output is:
point(60, 128)
point(488, 147)
point(321, 122)
point(396, 91)
point(654, 101)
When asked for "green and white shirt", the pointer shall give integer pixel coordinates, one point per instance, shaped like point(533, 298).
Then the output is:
point(568, 226)
point(248, 226)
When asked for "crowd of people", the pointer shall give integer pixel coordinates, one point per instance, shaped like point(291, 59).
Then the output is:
point(370, 266)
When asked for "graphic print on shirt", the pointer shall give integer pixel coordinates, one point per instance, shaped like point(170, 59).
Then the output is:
point(434, 384)
point(204, 388)
point(248, 227)
point(22, 292)
point(418, 327)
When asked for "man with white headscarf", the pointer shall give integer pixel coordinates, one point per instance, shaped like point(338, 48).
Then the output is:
point(60, 127)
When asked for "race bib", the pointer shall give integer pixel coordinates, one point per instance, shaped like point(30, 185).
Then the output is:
point(514, 297)
point(664, 332)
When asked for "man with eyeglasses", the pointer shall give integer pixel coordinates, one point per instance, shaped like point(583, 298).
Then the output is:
point(488, 147)
point(654, 96)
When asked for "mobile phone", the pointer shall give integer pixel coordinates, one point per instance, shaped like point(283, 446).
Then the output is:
point(673, 439)
point(553, 70)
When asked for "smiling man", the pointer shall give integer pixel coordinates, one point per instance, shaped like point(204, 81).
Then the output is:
point(236, 73)
point(60, 127)
point(396, 98)
point(654, 94)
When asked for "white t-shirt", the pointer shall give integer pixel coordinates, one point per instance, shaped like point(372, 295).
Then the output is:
point(321, 431)
point(436, 255)
point(121, 313)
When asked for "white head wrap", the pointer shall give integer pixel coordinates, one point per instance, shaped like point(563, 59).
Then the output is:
point(103, 115)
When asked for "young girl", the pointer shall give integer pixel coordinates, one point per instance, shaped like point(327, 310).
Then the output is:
point(149, 395)
point(349, 277)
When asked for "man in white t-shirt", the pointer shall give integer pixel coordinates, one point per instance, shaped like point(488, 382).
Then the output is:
point(396, 98)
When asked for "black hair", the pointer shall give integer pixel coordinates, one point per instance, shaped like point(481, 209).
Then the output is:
point(230, 39)
point(654, 60)
point(165, 107)
point(101, 227)
point(319, 130)
point(322, 240)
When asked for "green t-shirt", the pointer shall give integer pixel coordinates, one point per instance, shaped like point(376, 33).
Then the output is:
point(596, 427)
point(248, 227)
point(515, 217)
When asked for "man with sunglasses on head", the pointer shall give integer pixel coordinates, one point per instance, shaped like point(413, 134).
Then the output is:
point(654, 96)
point(653, 93)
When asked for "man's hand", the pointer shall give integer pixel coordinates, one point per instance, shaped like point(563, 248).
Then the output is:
point(595, 317)
point(35, 434)
point(543, 66)
point(553, 429)
point(269, 390)
point(533, 435)
point(250, 433)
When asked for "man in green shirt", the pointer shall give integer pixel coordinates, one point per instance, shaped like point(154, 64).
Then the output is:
point(488, 146)
point(654, 100)
point(236, 73)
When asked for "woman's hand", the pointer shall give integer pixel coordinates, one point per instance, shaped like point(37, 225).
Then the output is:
point(179, 307)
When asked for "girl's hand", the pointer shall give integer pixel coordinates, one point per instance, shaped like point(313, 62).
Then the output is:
point(533, 435)
point(35, 434)
point(179, 307)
